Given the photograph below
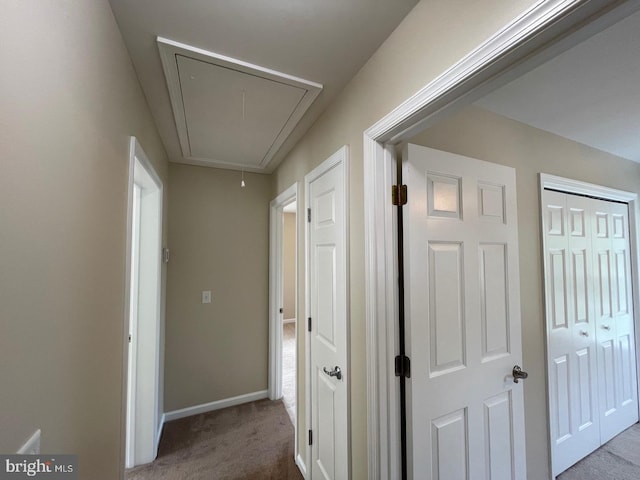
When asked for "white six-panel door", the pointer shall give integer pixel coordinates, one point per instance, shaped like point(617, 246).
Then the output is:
point(465, 413)
point(590, 346)
point(326, 189)
point(618, 391)
point(571, 329)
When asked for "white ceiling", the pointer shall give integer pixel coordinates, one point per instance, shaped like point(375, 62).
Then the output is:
point(590, 93)
point(322, 41)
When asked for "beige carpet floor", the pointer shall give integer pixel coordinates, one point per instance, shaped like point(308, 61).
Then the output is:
point(289, 369)
point(253, 441)
point(618, 459)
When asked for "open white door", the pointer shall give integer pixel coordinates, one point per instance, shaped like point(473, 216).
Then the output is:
point(326, 190)
point(465, 411)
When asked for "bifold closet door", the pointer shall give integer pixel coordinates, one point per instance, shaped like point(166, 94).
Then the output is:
point(591, 349)
point(571, 330)
point(618, 395)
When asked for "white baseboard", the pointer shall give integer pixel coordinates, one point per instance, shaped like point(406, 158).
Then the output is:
point(289, 320)
point(217, 405)
point(301, 466)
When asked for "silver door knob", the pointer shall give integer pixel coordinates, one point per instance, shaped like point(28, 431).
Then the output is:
point(336, 372)
point(518, 374)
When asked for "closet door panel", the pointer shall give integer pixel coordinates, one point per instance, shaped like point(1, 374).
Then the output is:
point(617, 329)
point(590, 324)
point(571, 330)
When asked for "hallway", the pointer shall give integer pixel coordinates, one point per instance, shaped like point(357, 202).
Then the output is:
point(249, 441)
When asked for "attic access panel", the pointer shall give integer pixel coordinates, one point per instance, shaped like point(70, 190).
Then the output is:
point(229, 113)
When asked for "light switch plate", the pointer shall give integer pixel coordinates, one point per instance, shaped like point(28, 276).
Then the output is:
point(206, 296)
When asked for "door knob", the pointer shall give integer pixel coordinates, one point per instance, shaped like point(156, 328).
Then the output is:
point(584, 333)
point(518, 374)
point(606, 327)
point(336, 372)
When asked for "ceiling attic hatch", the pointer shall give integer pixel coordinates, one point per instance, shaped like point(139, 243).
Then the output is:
point(229, 113)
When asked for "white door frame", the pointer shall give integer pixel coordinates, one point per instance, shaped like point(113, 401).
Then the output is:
point(142, 436)
point(342, 155)
point(567, 185)
point(546, 29)
point(276, 294)
point(133, 324)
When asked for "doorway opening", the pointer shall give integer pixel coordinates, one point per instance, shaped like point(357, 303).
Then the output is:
point(143, 403)
point(289, 314)
point(447, 115)
point(283, 302)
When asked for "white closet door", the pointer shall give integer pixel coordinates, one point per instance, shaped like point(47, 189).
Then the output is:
point(590, 328)
point(614, 316)
point(571, 328)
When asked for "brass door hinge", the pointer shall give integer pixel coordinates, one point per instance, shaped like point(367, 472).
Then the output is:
point(399, 195)
point(403, 366)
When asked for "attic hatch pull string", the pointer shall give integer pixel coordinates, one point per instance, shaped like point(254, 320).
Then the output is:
point(242, 184)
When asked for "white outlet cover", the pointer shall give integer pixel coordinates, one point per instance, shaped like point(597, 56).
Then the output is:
point(206, 296)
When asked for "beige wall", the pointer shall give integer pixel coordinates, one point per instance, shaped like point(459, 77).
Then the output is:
point(289, 265)
point(219, 241)
point(69, 101)
point(436, 34)
point(481, 134)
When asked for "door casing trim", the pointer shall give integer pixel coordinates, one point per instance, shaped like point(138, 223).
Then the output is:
point(137, 157)
point(541, 32)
